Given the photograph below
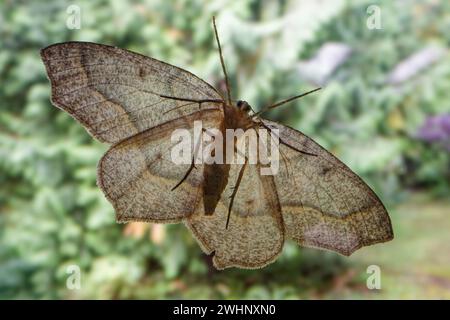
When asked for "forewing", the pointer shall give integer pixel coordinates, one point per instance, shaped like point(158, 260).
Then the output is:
point(255, 234)
point(324, 204)
point(115, 93)
point(137, 174)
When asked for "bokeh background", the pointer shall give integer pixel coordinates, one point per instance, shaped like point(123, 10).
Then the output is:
point(384, 110)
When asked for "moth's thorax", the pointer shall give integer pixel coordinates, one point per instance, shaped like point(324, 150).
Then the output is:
point(237, 116)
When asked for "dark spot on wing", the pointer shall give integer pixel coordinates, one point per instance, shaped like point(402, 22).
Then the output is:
point(325, 170)
point(142, 73)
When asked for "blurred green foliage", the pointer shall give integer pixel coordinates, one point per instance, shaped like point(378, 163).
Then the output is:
point(52, 214)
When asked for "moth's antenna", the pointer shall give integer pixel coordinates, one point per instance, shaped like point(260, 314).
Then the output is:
point(227, 83)
point(284, 101)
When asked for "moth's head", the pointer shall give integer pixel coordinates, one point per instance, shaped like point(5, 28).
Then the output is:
point(243, 105)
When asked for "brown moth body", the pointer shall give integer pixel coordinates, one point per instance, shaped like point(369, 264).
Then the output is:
point(216, 175)
point(215, 178)
point(135, 103)
point(237, 116)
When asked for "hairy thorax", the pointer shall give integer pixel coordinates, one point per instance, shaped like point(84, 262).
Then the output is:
point(237, 116)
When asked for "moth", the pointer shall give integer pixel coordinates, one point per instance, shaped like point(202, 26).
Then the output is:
point(242, 217)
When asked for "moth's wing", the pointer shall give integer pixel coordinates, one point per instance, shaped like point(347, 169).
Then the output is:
point(255, 234)
point(324, 204)
point(115, 93)
point(138, 173)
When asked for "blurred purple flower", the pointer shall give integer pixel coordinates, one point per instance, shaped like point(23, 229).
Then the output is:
point(436, 129)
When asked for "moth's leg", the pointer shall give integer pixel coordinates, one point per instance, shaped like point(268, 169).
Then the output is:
point(286, 161)
point(192, 166)
point(186, 175)
point(283, 156)
point(298, 150)
point(235, 189)
point(287, 144)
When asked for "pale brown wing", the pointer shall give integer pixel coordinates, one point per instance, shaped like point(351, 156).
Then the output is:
point(324, 204)
point(115, 93)
point(137, 174)
point(255, 235)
